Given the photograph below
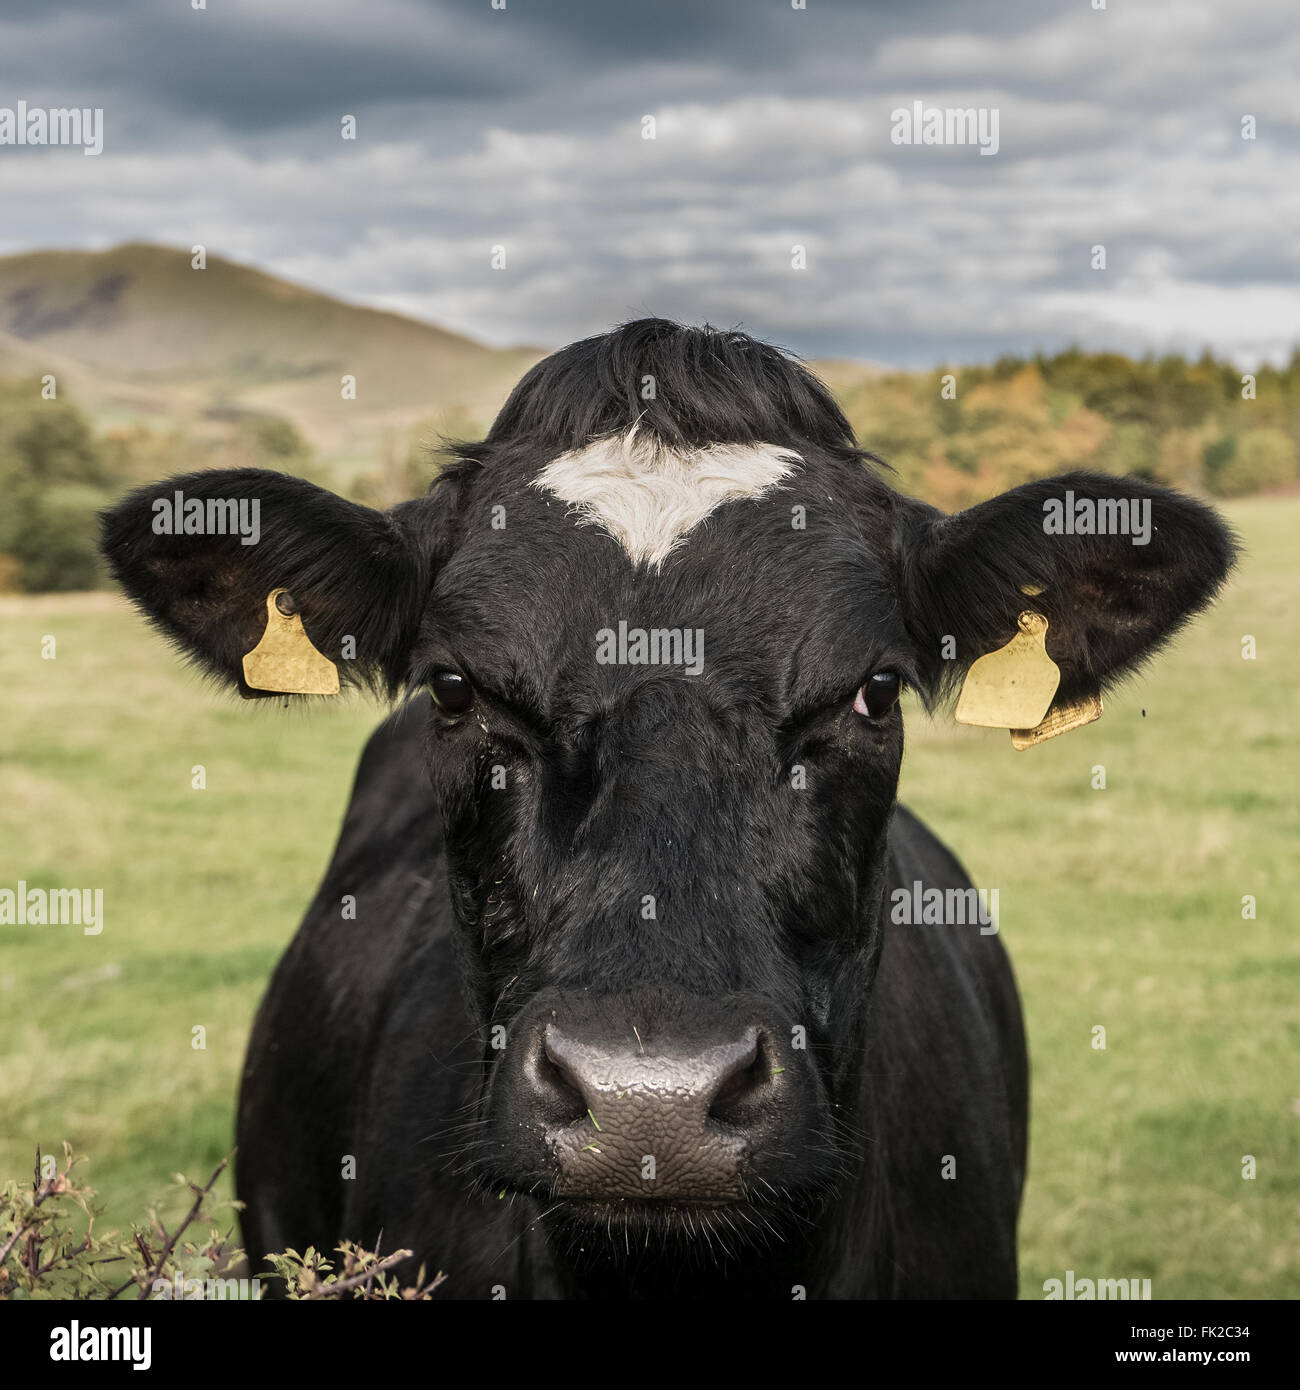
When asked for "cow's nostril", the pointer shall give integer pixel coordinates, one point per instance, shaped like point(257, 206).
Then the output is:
point(746, 1082)
point(558, 1088)
point(657, 1118)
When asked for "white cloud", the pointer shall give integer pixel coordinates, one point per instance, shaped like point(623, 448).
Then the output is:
point(1119, 127)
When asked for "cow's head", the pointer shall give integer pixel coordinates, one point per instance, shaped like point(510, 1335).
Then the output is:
point(665, 611)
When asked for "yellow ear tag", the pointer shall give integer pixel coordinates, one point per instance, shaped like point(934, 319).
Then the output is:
point(284, 660)
point(1012, 688)
point(1059, 721)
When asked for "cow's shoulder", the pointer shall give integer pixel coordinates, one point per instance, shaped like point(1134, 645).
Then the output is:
point(916, 852)
point(965, 954)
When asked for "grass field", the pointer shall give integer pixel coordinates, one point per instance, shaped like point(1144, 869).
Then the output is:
point(1121, 908)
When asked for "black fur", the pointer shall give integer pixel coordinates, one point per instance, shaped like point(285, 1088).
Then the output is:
point(352, 571)
point(499, 887)
point(1110, 604)
point(708, 386)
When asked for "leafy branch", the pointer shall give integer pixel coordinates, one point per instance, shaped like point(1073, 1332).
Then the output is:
point(41, 1257)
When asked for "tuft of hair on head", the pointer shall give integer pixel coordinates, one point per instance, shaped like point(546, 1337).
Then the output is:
point(678, 386)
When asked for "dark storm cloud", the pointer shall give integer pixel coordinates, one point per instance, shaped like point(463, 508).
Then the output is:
point(522, 127)
point(253, 65)
point(248, 67)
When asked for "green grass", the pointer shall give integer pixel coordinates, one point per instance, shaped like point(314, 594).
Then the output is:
point(202, 889)
point(1121, 908)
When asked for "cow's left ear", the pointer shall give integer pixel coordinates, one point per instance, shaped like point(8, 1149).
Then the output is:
point(201, 554)
point(1116, 566)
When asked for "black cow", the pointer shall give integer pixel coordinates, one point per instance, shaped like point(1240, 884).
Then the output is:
point(603, 995)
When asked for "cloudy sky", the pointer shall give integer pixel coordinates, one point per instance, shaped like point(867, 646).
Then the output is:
point(522, 127)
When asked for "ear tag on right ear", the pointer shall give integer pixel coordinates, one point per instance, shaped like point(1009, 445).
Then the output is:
point(284, 659)
point(1060, 721)
point(1012, 688)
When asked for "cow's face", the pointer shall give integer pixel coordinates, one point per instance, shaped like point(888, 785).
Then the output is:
point(666, 761)
point(665, 738)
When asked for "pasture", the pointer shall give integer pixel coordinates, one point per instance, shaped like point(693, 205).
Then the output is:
point(1122, 909)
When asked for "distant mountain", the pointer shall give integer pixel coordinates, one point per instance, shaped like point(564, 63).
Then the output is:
point(135, 331)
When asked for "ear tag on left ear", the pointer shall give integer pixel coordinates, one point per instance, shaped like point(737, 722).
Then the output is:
point(1012, 688)
point(284, 659)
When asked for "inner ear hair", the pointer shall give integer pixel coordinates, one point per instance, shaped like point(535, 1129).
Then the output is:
point(1110, 603)
point(353, 573)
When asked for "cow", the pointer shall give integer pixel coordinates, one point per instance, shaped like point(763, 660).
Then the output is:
point(603, 995)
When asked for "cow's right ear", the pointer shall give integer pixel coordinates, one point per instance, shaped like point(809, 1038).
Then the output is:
point(1111, 566)
point(200, 555)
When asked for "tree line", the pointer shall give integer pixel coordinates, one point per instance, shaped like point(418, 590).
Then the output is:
point(953, 436)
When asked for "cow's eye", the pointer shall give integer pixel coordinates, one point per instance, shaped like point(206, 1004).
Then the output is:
point(879, 695)
point(452, 692)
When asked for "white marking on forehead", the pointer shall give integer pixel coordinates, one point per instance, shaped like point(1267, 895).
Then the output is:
point(648, 497)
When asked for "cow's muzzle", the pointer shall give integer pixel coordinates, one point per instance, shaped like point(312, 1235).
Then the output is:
point(651, 1119)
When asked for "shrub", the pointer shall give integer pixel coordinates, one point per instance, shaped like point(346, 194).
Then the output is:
point(42, 1258)
point(53, 534)
point(1263, 458)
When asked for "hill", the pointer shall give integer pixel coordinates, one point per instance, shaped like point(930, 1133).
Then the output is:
point(164, 369)
point(137, 330)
